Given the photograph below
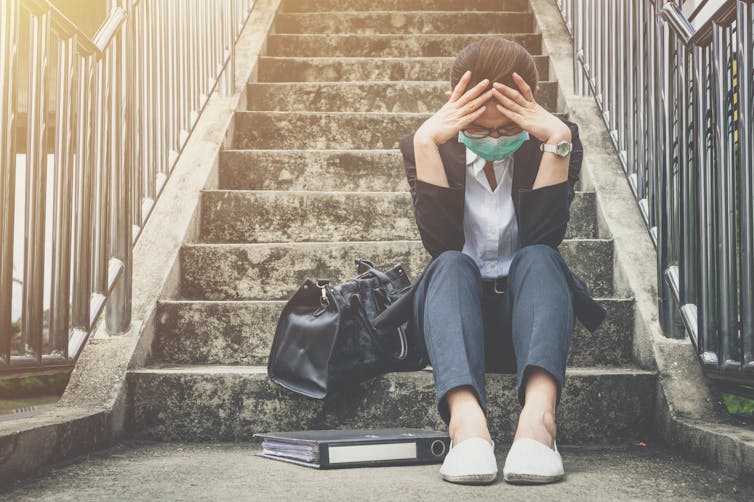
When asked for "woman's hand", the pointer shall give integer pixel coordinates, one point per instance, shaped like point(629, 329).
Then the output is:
point(461, 109)
point(521, 108)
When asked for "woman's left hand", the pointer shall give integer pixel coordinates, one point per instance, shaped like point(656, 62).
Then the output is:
point(521, 108)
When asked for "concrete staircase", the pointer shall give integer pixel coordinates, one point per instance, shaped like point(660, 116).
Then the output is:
point(315, 179)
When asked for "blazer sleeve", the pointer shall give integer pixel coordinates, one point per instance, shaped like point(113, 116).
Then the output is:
point(544, 212)
point(438, 210)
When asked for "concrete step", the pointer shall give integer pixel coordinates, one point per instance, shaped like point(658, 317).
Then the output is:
point(392, 97)
point(284, 216)
point(406, 22)
point(335, 69)
point(628, 470)
point(382, 46)
point(325, 130)
point(275, 271)
point(208, 402)
point(241, 332)
point(314, 170)
point(403, 5)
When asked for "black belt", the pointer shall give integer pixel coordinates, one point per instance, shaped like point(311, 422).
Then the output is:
point(495, 286)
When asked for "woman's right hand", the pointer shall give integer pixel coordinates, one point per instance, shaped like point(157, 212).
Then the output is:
point(461, 109)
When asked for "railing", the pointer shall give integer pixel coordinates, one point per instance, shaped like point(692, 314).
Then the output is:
point(105, 121)
point(674, 82)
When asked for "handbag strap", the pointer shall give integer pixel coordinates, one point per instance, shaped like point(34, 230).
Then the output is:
point(373, 334)
point(370, 268)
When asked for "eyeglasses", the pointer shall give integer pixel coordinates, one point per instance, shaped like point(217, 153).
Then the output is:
point(482, 132)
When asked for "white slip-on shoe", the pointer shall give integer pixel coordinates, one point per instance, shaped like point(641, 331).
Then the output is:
point(470, 461)
point(529, 461)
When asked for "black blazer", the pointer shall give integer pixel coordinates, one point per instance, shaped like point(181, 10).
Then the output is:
point(542, 214)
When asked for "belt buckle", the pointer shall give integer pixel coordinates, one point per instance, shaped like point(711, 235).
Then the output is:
point(494, 286)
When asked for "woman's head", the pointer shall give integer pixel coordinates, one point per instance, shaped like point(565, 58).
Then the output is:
point(496, 58)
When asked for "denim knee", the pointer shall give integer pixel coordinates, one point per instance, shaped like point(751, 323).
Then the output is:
point(457, 263)
point(536, 255)
point(535, 252)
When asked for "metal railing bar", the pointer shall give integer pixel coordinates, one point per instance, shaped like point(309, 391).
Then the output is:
point(63, 26)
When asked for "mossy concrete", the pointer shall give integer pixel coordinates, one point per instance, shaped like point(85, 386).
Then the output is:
point(284, 216)
point(386, 97)
point(241, 332)
point(213, 402)
point(380, 69)
point(274, 271)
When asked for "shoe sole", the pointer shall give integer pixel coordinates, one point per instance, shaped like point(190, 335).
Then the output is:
point(475, 479)
point(530, 478)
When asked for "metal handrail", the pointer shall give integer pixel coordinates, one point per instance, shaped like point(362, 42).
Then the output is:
point(125, 103)
point(63, 26)
point(673, 81)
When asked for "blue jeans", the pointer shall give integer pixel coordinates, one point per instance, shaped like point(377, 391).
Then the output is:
point(469, 330)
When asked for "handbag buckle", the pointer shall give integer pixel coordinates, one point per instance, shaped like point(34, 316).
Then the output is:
point(324, 300)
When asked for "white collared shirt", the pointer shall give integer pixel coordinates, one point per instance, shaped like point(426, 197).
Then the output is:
point(489, 220)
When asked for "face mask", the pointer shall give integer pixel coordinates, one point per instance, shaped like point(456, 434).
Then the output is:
point(490, 148)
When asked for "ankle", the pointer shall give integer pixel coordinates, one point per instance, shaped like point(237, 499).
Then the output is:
point(538, 423)
point(468, 423)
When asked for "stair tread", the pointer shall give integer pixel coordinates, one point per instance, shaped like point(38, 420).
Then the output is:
point(338, 193)
point(167, 368)
point(621, 471)
point(364, 83)
point(347, 243)
point(179, 301)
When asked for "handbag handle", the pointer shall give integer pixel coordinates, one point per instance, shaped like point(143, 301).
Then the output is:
point(370, 268)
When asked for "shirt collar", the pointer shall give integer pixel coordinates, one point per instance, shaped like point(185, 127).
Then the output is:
point(477, 163)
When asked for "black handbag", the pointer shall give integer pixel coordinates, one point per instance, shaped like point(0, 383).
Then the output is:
point(326, 340)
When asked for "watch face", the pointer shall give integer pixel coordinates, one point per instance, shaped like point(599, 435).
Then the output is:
point(563, 148)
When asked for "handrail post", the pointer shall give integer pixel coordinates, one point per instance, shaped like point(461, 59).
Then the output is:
point(118, 308)
point(9, 14)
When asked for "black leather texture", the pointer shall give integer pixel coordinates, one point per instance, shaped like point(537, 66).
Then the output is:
point(327, 340)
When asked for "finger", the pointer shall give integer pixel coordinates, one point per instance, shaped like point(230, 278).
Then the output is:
point(468, 119)
point(473, 92)
point(481, 99)
point(507, 102)
point(511, 93)
point(460, 86)
point(523, 86)
point(515, 117)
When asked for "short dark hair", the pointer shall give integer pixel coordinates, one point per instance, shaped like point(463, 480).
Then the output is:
point(496, 58)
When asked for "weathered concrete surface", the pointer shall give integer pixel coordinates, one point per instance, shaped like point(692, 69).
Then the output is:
point(211, 402)
point(283, 216)
point(402, 5)
point(689, 408)
point(91, 412)
point(370, 23)
point(139, 470)
point(334, 69)
point(315, 170)
point(325, 130)
point(374, 97)
point(383, 46)
point(275, 271)
point(241, 332)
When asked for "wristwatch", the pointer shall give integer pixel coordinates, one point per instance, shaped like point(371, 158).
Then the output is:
point(562, 148)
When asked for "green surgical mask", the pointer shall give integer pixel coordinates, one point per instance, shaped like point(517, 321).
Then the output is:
point(490, 148)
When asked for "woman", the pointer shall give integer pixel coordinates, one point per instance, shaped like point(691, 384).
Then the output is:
point(491, 209)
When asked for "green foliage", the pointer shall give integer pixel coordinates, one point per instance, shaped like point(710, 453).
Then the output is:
point(738, 405)
point(33, 385)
